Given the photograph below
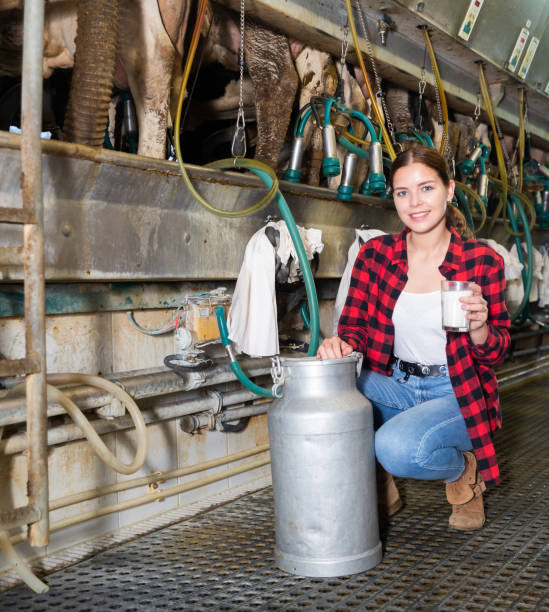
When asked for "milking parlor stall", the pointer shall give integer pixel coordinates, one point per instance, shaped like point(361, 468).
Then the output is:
point(184, 188)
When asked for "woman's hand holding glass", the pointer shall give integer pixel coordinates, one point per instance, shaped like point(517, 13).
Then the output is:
point(334, 348)
point(477, 313)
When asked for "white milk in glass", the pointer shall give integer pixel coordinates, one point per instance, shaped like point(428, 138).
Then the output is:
point(453, 315)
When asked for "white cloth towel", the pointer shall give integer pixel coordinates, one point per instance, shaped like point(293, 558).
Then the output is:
point(252, 320)
point(513, 273)
point(515, 288)
point(513, 267)
point(360, 234)
point(544, 284)
point(312, 241)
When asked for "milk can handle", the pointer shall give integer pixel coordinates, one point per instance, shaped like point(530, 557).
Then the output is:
point(359, 358)
point(277, 374)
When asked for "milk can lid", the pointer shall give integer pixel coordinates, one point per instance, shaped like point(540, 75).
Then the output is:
point(313, 362)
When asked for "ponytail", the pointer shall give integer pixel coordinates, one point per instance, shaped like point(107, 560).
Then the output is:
point(455, 217)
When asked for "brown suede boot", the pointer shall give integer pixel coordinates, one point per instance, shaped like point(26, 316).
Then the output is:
point(388, 498)
point(465, 495)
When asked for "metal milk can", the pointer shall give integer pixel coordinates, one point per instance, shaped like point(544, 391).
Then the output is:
point(323, 468)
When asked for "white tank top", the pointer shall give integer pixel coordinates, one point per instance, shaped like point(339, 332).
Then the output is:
point(419, 336)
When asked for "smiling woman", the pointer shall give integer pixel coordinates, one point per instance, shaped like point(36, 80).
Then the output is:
point(421, 197)
point(425, 170)
point(434, 392)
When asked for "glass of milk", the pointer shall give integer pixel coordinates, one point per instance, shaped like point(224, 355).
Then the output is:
point(453, 316)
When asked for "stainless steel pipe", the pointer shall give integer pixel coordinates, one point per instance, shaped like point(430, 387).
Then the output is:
point(33, 247)
point(139, 385)
point(194, 422)
point(162, 410)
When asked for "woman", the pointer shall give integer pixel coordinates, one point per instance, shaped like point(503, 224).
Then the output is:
point(433, 423)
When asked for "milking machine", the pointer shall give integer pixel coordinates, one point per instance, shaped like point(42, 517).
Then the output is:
point(537, 177)
point(337, 128)
point(477, 160)
point(515, 207)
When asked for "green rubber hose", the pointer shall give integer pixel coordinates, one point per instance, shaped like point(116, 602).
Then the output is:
point(521, 313)
point(235, 366)
point(303, 262)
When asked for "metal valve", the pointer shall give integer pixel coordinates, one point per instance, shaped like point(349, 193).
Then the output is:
point(483, 186)
point(345, 189)
point(468, 165)
point(330, 163)
point(293, 173)
point(376, 178)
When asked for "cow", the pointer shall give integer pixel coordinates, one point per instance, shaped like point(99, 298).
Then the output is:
point(150, 45)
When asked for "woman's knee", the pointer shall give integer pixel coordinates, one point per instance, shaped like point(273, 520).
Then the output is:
point(393, 449)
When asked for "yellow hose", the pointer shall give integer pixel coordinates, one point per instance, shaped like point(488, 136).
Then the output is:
point(80, 419)
point(93, 438)
point(521, 137)
point(356, 139)
point(377, 113)
point(241, 163)
point(499, 152)
point(525, 200)
point(473, 194)
point(19, 565)
point(440, 88)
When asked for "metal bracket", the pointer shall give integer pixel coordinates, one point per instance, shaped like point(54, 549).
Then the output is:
point(196, 380)
point(115, 408)
point(154, 488)
point(216, 410)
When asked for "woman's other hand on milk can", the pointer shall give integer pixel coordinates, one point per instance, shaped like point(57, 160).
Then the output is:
point(334, 348)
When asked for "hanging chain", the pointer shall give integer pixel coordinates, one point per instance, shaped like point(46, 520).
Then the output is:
point(421, 90)
point(447, 151)
point(439, 113)
point(515, 171)
point(379, 91)
point(238, 147)
point(476, 117)
point(344, 44)
point(477, 111)
point(525, 114)
point(343, 58)
point(499, 136)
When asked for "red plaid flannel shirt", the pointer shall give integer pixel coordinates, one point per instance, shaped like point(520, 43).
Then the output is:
point(378, 277)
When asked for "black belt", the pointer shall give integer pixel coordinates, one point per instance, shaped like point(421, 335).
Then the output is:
point(420, 369)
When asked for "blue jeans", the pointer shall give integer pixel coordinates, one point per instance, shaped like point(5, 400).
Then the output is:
point(420, 430)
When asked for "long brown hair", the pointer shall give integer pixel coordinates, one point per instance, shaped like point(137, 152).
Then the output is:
point(433, 159)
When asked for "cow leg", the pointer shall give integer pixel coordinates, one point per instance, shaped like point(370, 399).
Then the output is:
point(147, 54)
point(466, 126)
point(275, 82)
point(352, 98)
point(317, 76)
